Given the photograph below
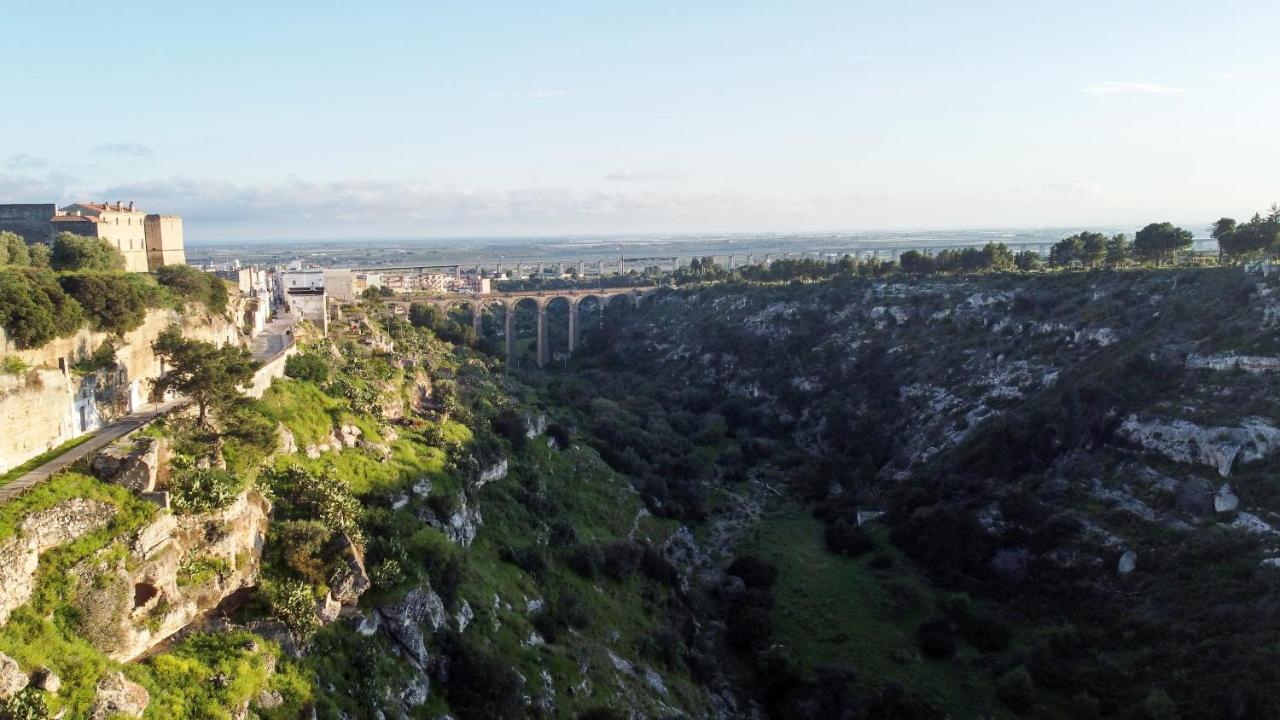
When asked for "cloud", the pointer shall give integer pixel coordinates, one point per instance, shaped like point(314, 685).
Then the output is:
point(437, 207)
point(23, 161)
point(26, 188)
point(130, 149)
point(640, 176)
point(1115, 87)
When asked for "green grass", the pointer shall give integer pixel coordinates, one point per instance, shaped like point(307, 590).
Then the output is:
point(303, 408)
point(65, 486)
point(832, 609)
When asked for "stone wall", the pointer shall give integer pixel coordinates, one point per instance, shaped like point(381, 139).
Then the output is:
point(51, 403)
point(31, 221)
point(272, 369)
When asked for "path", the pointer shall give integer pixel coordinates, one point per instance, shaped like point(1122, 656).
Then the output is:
point(277, 336)
point(103, 437)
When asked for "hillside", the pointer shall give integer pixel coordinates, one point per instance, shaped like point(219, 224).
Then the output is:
point(1038, 495)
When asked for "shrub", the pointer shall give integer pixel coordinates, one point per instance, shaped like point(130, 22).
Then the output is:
point(34, 309)
point(302, 544)
point(12, 365)
point(192, 285)
point(111, 303)
point(75, 253)
point(200, 490)
point(844, 538)
point(528, 559)
point(294, 603)
point(309, 366)
point(750, 621)
point(755, 572)
point(479, 685)
point(621, 558)
point(935, 638)
point(1159, 706)
point(26, 705)
point(586, 560)
point(1014, 689)
point(560, 435)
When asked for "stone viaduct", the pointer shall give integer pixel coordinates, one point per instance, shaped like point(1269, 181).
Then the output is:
point(476, 304)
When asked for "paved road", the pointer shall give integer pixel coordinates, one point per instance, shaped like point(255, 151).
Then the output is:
point(100, 439)
point(277, 336)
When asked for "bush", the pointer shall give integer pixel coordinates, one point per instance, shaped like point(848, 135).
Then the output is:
point(309, 366)
point(479, 685)
point(935, 638)
point(192, 285)
point(34, 309)
point(302, 546)
point(560, 435)
point(621, 558)
point(200, 490)
point(750, 621)
point(844, 538)
point(528, 559)
point(111, 303)
point(1014, 689)
point(586, 560)
point(294, 603)
point(75, 253)
point(26, 705)
point(755, 572)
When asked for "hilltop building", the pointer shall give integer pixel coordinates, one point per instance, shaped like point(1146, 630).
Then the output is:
point(146, 241)
point(164, 241)
point(121, 224)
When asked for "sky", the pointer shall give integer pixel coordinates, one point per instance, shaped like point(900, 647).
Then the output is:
point(291, 120)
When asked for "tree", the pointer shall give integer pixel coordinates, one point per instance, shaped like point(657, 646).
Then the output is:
point(1224, 232)
point(34, 309)
point(1093, 248)
point(111, 302)
point(996, 256)
point(1159, 241)
point(209, 375)
point(75, 252)
point(425, 315)
point(1027, 260)
point(1118, 250)
point(1066, 251)
point(191, 284)
point(915, 262)
point(39, 255)
point(13, 249)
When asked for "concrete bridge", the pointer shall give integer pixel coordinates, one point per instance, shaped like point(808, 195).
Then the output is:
point(509, 301)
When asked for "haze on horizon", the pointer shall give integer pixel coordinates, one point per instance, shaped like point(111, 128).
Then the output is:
point(433, 120)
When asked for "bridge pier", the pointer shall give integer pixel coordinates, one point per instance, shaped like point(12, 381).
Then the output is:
point(542, 335)
point(510, 332)
point(573, 327)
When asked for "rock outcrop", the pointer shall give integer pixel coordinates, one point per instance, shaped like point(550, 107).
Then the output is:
point(404, 621)
point(349, 580)
point(12, 679)
point(133, 463)
point(40, 531)
point(177, 568)
point(118, 696)
point(1217, 447)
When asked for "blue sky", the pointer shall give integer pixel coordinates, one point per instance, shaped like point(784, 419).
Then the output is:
point(323, 119)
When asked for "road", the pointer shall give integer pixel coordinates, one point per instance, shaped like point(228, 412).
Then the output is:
point(103, 437)
point(277, 336)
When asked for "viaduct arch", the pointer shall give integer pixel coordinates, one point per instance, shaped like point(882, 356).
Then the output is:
point(508, 302)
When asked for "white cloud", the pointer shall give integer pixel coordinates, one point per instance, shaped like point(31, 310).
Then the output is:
point(130, 149)
point(651, 175)
point(1115, 87)
point(23, 161)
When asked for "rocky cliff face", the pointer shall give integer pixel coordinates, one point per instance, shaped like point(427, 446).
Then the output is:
point(41, 531)
point(177, 567)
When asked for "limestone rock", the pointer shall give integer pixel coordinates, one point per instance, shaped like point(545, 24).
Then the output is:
point(269, 699)
point(465, 616)
point(1128, 562)
point(1230, 361)
point(349, 435)
point(497, 471)
point(328, 609)
point(349, 581)
point(118, 695)
point(461, 526)
point(287, 442)
point(1225, 500)
point(12, 679)
point(40, 531)
point(131, 463)
point(1217, 447)
point(416, 691)
point(405, 619)
point(46, 680)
